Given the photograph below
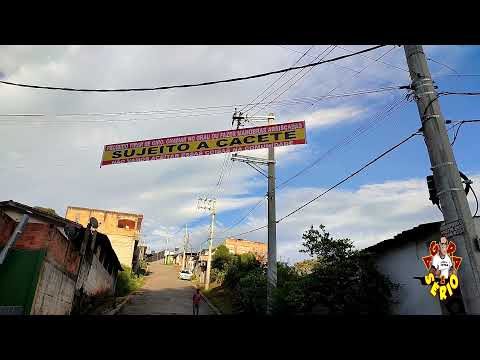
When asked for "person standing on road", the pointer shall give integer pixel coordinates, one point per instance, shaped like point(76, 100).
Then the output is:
point(196, 302)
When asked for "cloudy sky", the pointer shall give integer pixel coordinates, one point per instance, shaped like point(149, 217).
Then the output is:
point(53, 160)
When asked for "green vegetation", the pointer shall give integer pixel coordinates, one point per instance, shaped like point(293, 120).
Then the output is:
point(337, 279)
point(128, 282)
point(221, 297)
point(46, 210)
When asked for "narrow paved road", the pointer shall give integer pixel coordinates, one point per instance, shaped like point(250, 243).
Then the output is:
point(163, 294)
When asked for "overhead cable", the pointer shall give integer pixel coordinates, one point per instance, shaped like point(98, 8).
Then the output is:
point(347, 140)
point(192, 85)
point(297, 80)
point(192, 111)
point(278, 79)
point(338, 183)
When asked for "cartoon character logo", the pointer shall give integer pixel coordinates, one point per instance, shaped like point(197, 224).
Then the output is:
point(442, 268)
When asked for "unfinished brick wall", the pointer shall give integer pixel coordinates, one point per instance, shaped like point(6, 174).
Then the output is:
point(33, 237)
point(7, 225)
point(239, 246)
point(62, 252)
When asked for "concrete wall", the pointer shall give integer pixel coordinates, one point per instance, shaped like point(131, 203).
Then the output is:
point(123, 247)
point(56, 286)
point(55, 291)
point(404, 262)
point(401, 265)
point(98, 279)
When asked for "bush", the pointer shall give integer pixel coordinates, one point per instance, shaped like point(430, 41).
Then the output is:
point(252, 292)
point(344, 280)
point(127, 282)
point(217, 275)
point(337, 279)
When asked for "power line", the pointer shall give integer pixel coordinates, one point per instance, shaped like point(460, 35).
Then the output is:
point(226, 176)
point(236, 223)
point(338, 183)
point(460, 75)
point(355, 75)
point(250, 231)
point(456, 134)
point(312, 56)
point(285, 102)
point(459, 124)
point(463, 121)
point(253, 208)
point(350, 176)
point(359, 72)
point(279, 78)
point(347, 140)
point(470, 93)
point(296, 81)
point(192, 85)
point(444, 65)
point(293, 76)
point(103, 121)
point(475, 195)
point(377, 60)
point(364, 56)
point(225, 159)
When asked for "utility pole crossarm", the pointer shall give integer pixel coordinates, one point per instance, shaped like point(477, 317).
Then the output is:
point(251, 159)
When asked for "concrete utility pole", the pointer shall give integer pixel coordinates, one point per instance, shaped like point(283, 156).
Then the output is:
point(272, 223)
point(272, 226)
point(184, 245)
point(448, 183)
point(166, 249)
point(210, 205)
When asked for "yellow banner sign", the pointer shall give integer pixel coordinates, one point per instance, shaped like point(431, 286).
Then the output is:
point(206, 144)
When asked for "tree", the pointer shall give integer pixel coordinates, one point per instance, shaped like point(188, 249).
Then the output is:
point(221, 258)
point(344, 280)
point(306, 266)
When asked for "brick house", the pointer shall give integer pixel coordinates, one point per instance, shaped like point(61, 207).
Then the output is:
point(45, 271)
point(123, 230)
point(240, 246)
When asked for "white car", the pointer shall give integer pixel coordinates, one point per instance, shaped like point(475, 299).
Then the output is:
point(185, 275)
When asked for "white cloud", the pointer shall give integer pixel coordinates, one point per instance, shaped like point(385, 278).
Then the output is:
point(368, 215)
point(56, 162)
point(331, 116)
